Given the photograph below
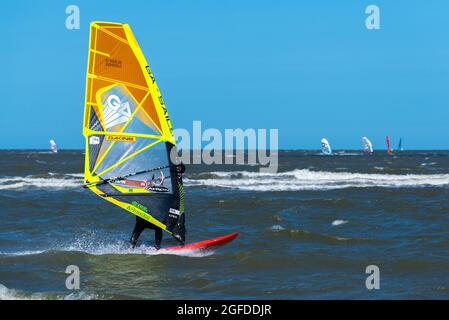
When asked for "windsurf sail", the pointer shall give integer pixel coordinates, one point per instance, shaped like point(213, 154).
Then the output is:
point(400, 145)
point(367, 146)
point(53, 146)
point(325, 147)
point(389, 151)
point(128, 132)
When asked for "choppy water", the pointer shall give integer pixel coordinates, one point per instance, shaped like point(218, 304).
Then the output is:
point(307, 232)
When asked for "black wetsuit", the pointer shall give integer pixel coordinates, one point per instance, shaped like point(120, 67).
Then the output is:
point(181, 168)
point(142, 224)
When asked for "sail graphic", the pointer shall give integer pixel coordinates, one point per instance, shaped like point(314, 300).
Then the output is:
point(400, 145)
point(367, 146)
point(325, 147)
point(389, 151)
point(128, 132)
point(53, 146)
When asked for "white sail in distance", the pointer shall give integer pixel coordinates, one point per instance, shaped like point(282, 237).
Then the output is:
point(367, 146)
point(325, 147)
point(53, 146)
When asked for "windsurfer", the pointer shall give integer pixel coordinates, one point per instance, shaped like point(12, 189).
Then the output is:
point(142, 224)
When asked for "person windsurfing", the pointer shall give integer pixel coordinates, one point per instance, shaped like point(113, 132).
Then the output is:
point(142, 224)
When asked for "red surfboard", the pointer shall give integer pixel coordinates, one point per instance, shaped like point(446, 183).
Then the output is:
point(206, 244)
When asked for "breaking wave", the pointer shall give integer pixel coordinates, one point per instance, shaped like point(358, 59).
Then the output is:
point(12, 294)
point(47, 181)
point(338, 222)
point(295, 180)
point(119, 247)
point(304, 179)
point(98, 248)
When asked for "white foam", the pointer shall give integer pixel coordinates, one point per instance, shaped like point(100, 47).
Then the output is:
point(22, 253)
point(12, 294)
point(304, 179)
point(277, 227)
point(75, 175)
point(81, 295)
point(98, 248)
point(124, 248)
point(339, 222)
point(424, 164)
point(50, 182)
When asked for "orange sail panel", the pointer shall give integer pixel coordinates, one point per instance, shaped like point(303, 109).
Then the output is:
point(111, 62)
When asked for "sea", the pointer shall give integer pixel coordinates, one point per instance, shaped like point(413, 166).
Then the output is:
point(347, 226)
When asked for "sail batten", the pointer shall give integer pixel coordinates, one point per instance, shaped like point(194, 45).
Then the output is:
point(128, 132)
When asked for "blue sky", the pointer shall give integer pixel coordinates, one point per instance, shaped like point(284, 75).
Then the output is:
point(312, 69)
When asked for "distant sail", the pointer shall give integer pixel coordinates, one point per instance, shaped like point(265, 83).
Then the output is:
point(400, 145)
point(325, 147)
point(388, 145)
point(367, 145)
point(53, 146)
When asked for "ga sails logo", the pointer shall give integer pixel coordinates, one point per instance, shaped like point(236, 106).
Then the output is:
point(115, 112)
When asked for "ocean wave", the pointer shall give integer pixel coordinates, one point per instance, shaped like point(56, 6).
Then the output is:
point(424, 164)
point(12, 294)
point(50, 181)
point(277, 227)
point(304, 179)
point(338, 222)
point(98, 248)
point(22, 253)
point(75, 175)
point(306, 235)
point(343, 153)
point(295, 180)
point(121, 248)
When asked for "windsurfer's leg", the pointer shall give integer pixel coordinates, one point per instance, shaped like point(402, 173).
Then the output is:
point(157, 238)
point(138, 228)
point(180, 229)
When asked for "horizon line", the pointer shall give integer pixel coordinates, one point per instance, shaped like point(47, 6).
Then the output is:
point(246, 150)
